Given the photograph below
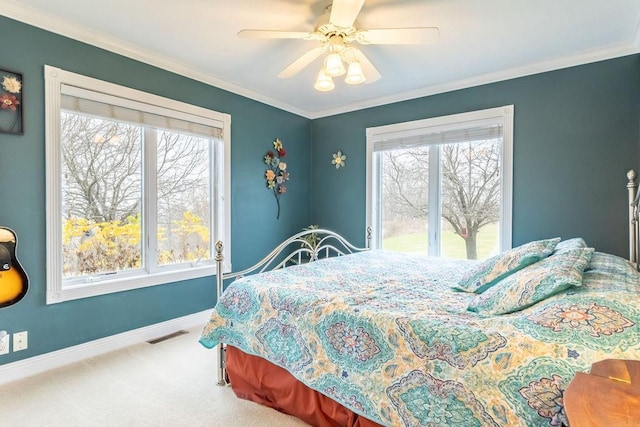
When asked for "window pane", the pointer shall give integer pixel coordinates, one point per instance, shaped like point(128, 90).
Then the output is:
point(404, 199)
point(471, 191)
point(101, 195)
point(184, 214)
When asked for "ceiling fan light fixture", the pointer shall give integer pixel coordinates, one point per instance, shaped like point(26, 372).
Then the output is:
point(336, 30)
point(336, 43)
point(355, 75)
point(324, 83)
point(333, 65)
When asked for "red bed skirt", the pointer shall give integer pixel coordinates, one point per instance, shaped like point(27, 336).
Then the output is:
point(253, 378)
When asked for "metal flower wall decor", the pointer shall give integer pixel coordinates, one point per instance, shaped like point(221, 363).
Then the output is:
point(276, 174)
point(339, 159)
point(10, 102)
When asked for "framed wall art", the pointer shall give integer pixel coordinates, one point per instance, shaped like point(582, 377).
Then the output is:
point(11, 107)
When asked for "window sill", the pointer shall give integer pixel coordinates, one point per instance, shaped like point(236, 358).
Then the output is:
point(109, 286)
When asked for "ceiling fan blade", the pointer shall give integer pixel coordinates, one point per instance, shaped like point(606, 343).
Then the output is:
point(368, 69)
point(418, 35)
point(302, 62)
point(274, 34)
point(344, 12)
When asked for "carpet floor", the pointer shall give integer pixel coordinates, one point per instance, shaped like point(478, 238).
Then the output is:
point(170, 383)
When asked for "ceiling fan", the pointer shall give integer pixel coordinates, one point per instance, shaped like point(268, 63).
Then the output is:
point(337, 31)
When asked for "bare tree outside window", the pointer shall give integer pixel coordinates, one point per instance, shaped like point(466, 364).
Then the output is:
point(183, 198)
point(102, 170)
point(469, 192)
point(101, 195)
point(405, 204)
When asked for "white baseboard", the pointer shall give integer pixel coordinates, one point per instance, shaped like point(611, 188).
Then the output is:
point(35, 365)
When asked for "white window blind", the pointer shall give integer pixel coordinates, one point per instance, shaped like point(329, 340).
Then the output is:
point(435, 136)
point(139, 113)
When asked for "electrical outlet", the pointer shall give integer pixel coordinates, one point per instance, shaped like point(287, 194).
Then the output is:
point(20, 341)
point(4, 342)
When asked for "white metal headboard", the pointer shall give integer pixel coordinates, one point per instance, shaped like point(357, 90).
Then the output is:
point(634, 226)
point(309, 245)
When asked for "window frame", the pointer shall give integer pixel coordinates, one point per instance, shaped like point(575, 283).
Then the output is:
point(374, 135)
point(220, 191)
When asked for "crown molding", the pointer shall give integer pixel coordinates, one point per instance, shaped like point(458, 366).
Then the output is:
point(541, 67)
point(34, 17)
point(31, 16)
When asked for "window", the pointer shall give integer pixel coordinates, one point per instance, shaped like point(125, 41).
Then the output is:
point(442, 186)
point(137, 188)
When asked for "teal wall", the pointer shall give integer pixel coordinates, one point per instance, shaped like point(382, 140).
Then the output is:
point(255, 229)
point(576, 133)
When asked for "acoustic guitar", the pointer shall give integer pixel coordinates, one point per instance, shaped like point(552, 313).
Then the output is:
point(13, 279)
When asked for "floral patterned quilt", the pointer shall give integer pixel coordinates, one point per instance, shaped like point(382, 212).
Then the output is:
point(383, 334)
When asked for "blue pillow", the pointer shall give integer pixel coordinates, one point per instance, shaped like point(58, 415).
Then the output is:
point(534, 283)
point(485, 274)
point(566, 245)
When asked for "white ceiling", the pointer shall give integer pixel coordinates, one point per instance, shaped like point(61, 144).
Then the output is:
point(481, 41)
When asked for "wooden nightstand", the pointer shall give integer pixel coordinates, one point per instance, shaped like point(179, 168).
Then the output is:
point(608, 396)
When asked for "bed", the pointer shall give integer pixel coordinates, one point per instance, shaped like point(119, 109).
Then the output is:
point(381, 338)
